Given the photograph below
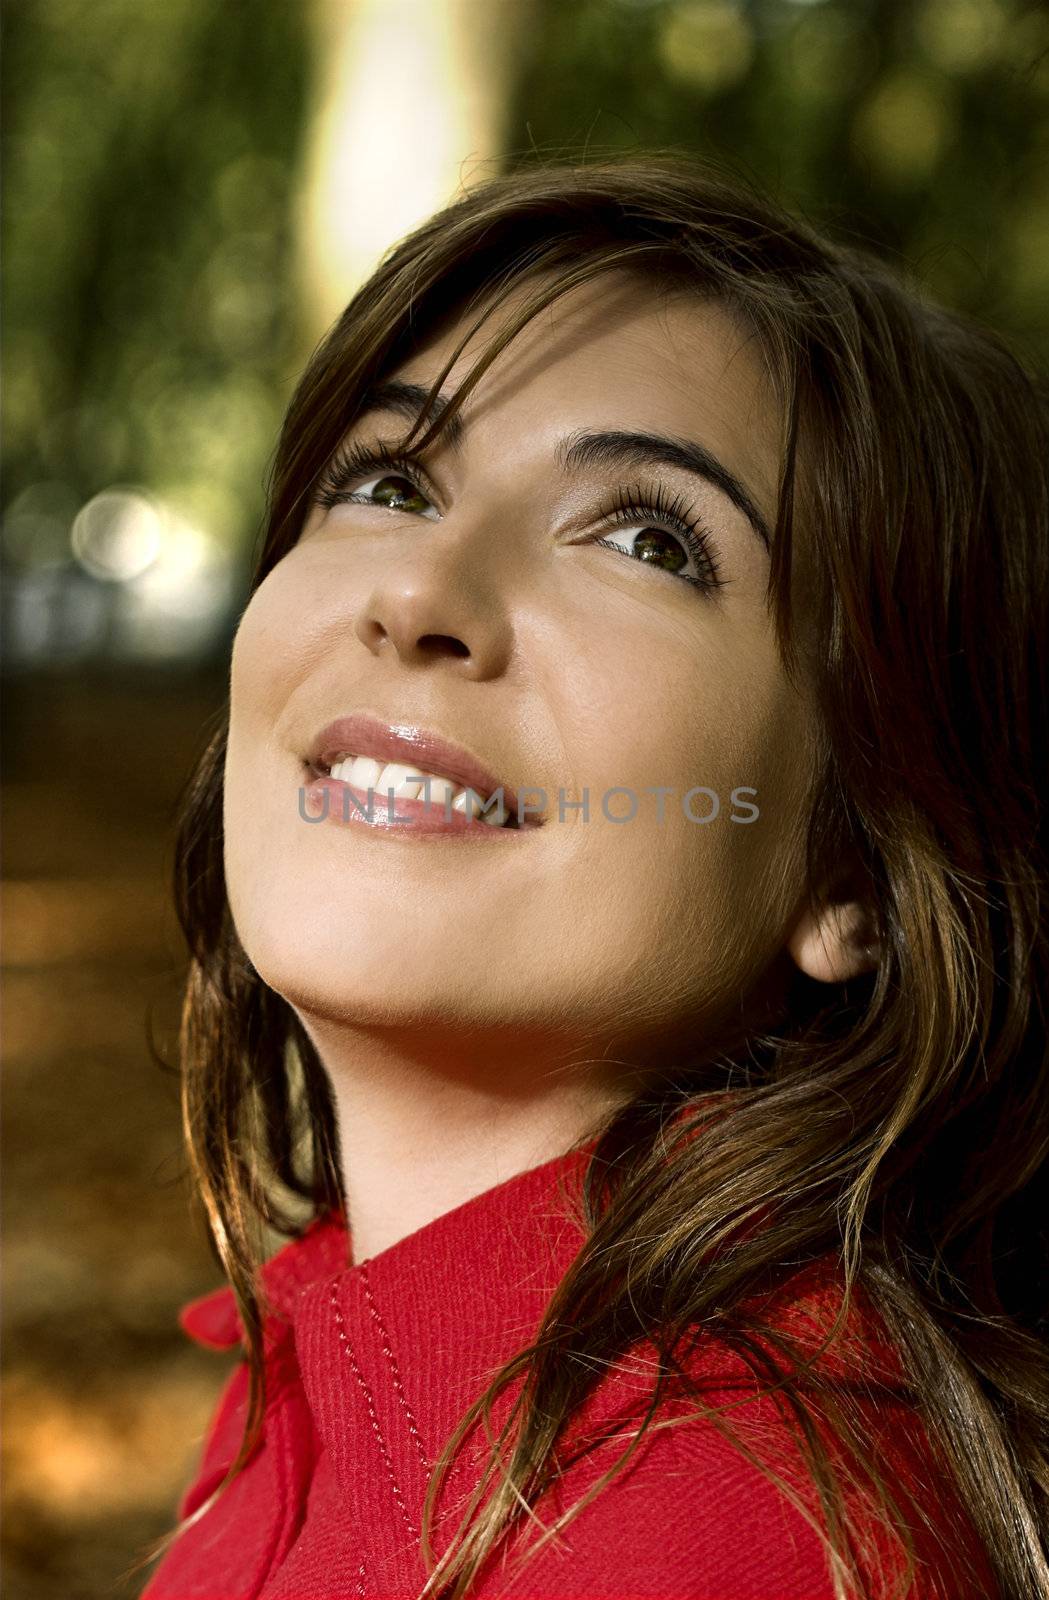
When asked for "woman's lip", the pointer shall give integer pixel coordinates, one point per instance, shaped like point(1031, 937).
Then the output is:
point(415, 817)
point(365, 735)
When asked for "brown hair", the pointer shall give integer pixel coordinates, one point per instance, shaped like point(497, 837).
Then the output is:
point(901, 1120)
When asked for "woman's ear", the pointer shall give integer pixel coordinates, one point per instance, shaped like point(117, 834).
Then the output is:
point(837, 940)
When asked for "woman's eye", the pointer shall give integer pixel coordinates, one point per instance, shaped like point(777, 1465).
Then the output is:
point(392, 490)
point(661, 547)
point(655, 545)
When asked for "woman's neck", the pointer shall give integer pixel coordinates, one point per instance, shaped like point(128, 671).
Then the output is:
point(426, 1123)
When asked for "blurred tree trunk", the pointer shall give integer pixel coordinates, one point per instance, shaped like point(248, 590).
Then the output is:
point(411, 99)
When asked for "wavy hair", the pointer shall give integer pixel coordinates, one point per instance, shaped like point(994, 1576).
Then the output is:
point(899, 1121)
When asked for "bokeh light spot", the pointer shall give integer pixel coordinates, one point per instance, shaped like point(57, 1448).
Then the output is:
point(708, 43)
point(904, 126)
point(117, 534)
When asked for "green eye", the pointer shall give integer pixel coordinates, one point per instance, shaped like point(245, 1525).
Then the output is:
point(397, 493)
point(639, 519)
point(660, 549)
point(365, 475)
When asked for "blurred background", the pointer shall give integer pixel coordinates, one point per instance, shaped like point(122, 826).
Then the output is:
point(192, 190)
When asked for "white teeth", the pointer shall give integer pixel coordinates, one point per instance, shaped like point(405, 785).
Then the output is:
point(495, 818)
point(365, 773)
point(362, 771)
point(395, 776)
point(441, 789)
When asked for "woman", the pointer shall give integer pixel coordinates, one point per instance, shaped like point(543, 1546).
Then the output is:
point(614, 911)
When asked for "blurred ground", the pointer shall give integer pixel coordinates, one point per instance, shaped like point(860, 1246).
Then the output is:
point(104, 1399)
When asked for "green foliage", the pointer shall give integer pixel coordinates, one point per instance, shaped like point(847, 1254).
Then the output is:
point(151, 162)
point(915, 126)
point(149, 154)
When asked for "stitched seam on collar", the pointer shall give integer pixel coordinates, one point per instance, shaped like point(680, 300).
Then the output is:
point(344, 1340)
point(391, 1361)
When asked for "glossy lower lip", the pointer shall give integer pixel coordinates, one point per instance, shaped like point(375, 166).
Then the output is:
point(415, 818)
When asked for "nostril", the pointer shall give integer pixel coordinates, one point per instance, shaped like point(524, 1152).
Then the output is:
point(443, 642)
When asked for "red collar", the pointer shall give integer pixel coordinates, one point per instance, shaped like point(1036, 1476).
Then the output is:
point(478, 1278)
point(516, 1238)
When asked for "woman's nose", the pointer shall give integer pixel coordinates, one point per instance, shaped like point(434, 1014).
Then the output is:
point(427, 608)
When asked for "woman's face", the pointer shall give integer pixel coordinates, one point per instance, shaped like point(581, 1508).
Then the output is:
point(478, 604)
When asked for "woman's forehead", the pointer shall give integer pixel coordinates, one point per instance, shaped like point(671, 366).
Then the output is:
point(614, 331)
point(618, 354)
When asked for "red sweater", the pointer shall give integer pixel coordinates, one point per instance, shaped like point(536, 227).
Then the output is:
point(370, 1366)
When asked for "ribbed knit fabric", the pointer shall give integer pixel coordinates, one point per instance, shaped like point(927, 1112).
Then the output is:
point(370, 1366)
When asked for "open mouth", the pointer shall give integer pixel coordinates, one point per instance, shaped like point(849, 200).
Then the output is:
point(411, 782)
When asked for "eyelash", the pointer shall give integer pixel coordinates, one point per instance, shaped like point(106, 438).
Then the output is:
point(666, 510)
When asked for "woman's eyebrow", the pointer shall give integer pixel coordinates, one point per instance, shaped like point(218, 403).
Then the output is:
point(408, 400)
point(586, 449)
